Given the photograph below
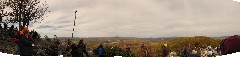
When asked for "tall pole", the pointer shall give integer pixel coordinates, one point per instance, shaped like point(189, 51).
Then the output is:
point(74, 22)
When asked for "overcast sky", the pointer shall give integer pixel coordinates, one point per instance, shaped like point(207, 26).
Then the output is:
point(141, 18)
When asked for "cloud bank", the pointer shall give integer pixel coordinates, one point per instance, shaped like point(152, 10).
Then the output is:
point(141, 18)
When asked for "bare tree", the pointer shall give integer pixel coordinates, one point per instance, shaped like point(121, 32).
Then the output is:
point(25, 11)
point(3, 5)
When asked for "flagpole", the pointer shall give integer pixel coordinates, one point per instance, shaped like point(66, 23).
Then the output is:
point(74, 22)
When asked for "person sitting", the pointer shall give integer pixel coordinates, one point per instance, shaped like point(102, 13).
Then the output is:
point(210, 53)
point(194, 53)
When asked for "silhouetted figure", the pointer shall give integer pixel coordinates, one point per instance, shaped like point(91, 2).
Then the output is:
point(67, 48)
point(1, 17)
point(11, 31)
point(144, 50)
point(185, 52)
point(74, 51)
point(5, 27)
point(1, 28)
point(165, 51)
point(142, 46)
point(127, 50)
point(218, 50)
point(54, 49)
point(25, 45)
point(34, 35)
point(68, 45)
point(11, 28)
point(82, 48)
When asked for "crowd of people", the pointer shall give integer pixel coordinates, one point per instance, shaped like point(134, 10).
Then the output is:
point(227, 46)
point(23, 43)
point(196, 52)
point(6, 33)
point(186, 52)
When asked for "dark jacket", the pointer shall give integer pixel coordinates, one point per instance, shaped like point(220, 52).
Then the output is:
point(25, 46)
point(165, 52)
point(74, 51)
point(185, 52)
point(82, 49)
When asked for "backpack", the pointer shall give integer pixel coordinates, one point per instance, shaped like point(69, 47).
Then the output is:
point(230, 45)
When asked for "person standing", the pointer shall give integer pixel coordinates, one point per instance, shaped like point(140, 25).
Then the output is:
point(54, 49)
point(100, 51)
point(126, 48)
point(74, 51)
point(67, 48)
point(144, 50)
point(165, 51)
point(82, 48)
point(185, 52)
point(25, 46)
point(1, 28)
point(218, 50)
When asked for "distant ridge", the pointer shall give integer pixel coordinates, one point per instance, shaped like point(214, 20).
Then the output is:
point(143, 37)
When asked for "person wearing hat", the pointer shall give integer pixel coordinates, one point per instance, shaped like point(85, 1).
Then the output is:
point(25, 45)
point(165, 45)
point(165, 51)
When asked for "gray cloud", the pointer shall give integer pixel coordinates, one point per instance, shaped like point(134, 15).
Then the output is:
point(48, 26)
point(142, 18)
